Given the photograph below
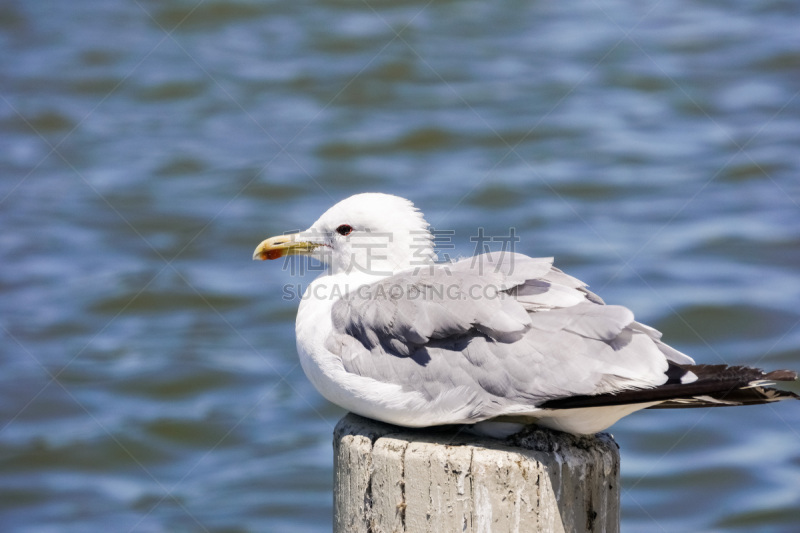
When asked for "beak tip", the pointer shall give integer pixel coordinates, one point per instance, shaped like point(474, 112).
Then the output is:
point(280, 246)
point(263, 254)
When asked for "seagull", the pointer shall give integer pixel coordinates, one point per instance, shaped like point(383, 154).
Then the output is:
point(497, 341)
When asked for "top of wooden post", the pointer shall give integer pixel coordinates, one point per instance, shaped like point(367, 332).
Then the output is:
point(393, 479)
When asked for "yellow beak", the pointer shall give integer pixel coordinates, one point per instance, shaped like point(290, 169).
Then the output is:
point(282, 245)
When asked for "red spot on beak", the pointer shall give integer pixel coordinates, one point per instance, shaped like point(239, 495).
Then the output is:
point(272, 254)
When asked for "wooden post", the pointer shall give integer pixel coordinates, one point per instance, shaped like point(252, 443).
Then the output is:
point(390, 479)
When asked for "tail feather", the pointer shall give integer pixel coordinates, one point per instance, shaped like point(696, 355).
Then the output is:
point(714, 386)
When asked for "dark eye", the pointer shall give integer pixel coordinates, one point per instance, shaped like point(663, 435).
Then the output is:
point(344, 229)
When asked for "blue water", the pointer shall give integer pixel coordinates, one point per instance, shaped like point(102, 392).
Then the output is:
point(149, 378)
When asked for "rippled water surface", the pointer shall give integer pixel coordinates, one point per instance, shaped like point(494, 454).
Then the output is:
point(148, 369)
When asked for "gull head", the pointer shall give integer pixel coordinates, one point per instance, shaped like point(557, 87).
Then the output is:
point(370, 233)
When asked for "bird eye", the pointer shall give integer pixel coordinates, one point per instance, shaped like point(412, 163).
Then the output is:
point(344, 229)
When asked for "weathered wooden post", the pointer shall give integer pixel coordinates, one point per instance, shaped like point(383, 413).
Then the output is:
point(397, 480)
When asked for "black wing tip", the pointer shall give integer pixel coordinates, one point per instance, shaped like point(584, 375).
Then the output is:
point(715, 386)
point(742, 374)
point(753, 395)
point(781, 375)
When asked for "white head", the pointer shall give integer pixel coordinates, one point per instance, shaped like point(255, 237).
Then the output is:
point(372, 233)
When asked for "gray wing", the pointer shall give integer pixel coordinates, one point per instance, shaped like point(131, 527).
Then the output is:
point(505, 329)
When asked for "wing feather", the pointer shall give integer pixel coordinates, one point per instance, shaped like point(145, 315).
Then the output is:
point(509, 331)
